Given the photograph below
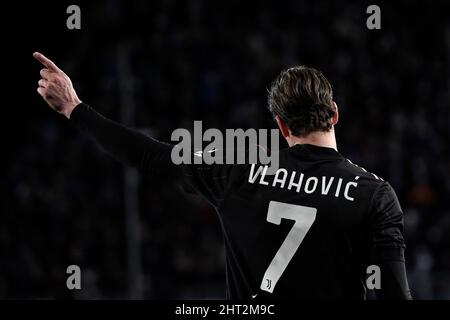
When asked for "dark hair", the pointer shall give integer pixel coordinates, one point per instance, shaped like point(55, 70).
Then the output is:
point(303, 98)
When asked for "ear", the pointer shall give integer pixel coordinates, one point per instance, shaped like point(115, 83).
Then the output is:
point(283, 127)
point(335, 119)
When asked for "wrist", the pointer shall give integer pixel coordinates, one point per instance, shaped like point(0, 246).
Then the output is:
point(68, 109)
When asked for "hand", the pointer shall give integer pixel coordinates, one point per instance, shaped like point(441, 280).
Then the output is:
point(56, 88)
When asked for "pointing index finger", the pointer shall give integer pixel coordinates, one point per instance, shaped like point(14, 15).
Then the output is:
point(46, 62)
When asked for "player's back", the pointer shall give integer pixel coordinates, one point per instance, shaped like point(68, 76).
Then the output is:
point(305, 231)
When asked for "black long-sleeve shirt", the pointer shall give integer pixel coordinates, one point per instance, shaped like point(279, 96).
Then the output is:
point(308, 231)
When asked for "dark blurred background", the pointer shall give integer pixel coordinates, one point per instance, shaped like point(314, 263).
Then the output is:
point(160, 65)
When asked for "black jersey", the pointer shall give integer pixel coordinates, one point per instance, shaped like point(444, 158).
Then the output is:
point(308, 230)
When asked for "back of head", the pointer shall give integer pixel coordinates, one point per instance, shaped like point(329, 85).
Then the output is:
point(303, 98)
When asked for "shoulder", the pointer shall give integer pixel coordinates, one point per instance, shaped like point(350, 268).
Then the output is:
point(363, 173)
point(380, 190)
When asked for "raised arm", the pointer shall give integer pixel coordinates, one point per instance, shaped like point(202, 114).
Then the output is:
point(127, 145)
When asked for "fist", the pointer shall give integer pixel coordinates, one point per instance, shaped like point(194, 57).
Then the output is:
point(56, 87)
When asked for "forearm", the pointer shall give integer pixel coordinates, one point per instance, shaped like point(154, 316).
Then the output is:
point(394, 284)
point(394, 281)
point(126, 145)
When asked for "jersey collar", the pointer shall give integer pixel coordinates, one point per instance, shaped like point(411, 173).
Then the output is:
point(310, 151)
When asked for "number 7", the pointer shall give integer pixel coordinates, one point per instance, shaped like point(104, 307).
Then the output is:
point(304, 218)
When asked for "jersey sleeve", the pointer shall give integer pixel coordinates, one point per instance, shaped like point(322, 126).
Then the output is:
point(212, 181)
point(127, 145)
point(387, 244)
point(152, 157)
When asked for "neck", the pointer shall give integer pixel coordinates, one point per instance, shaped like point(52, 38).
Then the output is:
point(321, 139)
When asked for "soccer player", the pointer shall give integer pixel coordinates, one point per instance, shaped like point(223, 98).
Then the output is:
point(309, 230)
